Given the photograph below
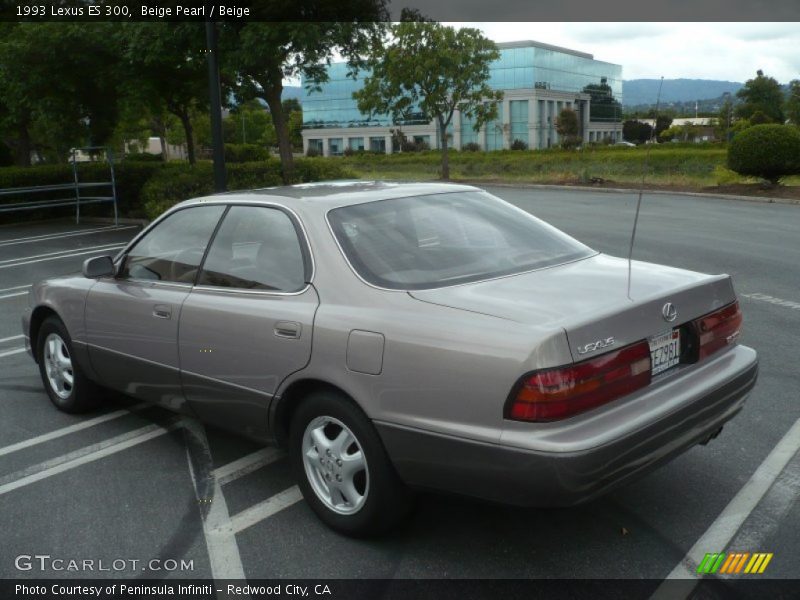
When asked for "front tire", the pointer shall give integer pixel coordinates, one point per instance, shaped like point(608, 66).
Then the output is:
point(66, 385)
point(342, 468)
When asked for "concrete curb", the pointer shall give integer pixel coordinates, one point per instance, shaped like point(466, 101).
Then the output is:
point(587, 188)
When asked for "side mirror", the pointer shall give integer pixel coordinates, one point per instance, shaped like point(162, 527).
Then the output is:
point(99, 266)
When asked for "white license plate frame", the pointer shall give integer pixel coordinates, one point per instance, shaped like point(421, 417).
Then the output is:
point(665, 351)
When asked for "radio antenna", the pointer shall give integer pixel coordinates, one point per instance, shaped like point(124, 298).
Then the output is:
point(641, 185)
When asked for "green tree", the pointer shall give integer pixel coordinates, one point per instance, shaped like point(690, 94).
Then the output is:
point(636, 131)
point(290, 105)
point(759, 118)
point(166, 63)
point(249, 123)
point(724, 119)
point(793, 102)
point(435, 70)
point(568, 127)
point(663, 122)
point(258, 56)
point(763, 94)
point(296, 129)
point(49, 103)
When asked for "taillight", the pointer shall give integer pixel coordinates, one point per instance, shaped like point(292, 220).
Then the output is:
point(718, 329)
point(553, 394)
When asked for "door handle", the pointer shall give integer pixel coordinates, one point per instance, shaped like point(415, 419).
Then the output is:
point(162, 311)
point(287, 329)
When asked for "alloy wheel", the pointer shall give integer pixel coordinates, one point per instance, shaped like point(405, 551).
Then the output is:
point(335, 465)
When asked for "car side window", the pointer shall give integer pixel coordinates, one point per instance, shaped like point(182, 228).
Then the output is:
point(173, 250)
point(256, 248)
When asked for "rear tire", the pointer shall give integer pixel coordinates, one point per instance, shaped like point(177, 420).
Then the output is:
point(66, 385)
point(342, 467)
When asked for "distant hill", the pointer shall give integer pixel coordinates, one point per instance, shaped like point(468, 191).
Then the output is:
point(645, 91)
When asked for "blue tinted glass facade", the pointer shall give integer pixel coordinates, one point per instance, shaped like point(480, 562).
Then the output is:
point(494, 130)
point(524, 67)
point(468, 133)
point(513, 70)
point(519, 120)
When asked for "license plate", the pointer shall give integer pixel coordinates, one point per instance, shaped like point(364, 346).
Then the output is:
point(665, 350)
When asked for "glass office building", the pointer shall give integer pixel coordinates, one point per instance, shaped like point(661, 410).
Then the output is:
point(538, 81)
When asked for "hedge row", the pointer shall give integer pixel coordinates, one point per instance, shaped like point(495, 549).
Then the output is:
point(146, 188)
point(613, 163)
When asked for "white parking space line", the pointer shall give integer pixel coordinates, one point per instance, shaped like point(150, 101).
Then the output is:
point(13, 337)
point(722, 530)
point(223, 551)
point(10, 352)
point(82, 456)
point(246, 465)
point(773, 300)
point(52, 435)
point(267, 508)
point(16, 287)
point(56, 252)
point(89, 251)
point(13, 295)
point(56, 236)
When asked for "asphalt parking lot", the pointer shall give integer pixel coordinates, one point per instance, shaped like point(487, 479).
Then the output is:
point(130, 482)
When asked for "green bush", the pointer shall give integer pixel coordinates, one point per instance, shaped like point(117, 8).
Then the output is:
point(471, 147)
point(519, 145)
point(144, 157)
point(6, 156)
point(241, 153)
point(177, 184)
point(767, 151)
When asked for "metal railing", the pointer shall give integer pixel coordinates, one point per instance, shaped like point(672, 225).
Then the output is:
point(76, 199)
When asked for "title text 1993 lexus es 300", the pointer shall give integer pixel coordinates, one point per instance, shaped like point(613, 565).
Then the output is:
point(401, 336)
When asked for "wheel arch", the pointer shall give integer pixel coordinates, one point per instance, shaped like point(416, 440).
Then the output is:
point(38, 316)
point(284, 406)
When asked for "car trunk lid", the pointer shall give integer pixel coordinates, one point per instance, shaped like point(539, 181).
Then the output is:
point(589, 299)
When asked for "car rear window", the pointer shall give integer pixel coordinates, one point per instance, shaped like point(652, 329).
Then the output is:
point(424, 242)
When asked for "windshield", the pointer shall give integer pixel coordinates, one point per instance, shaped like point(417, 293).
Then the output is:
point(425, 242)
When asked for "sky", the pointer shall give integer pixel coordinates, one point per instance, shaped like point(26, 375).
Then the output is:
point(723, 51)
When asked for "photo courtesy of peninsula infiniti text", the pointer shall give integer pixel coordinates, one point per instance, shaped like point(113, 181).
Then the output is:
point(396, 337)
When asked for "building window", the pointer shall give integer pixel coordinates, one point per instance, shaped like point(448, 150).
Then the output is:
point(315, 144)
point(356, 143)
point(494, 130)
point(468, 134)
point(335, 146)
point(377, 144)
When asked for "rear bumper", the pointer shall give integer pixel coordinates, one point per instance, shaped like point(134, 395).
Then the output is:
point(641, 434)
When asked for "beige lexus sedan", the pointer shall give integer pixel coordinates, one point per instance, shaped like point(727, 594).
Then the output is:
point(401, 336)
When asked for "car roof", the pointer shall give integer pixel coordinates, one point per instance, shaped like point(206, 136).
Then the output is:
point(330, 194)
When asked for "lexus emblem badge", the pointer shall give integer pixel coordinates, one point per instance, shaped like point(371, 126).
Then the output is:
point(669, 312)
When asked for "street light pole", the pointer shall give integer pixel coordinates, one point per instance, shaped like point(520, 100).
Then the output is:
point(216, 108)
